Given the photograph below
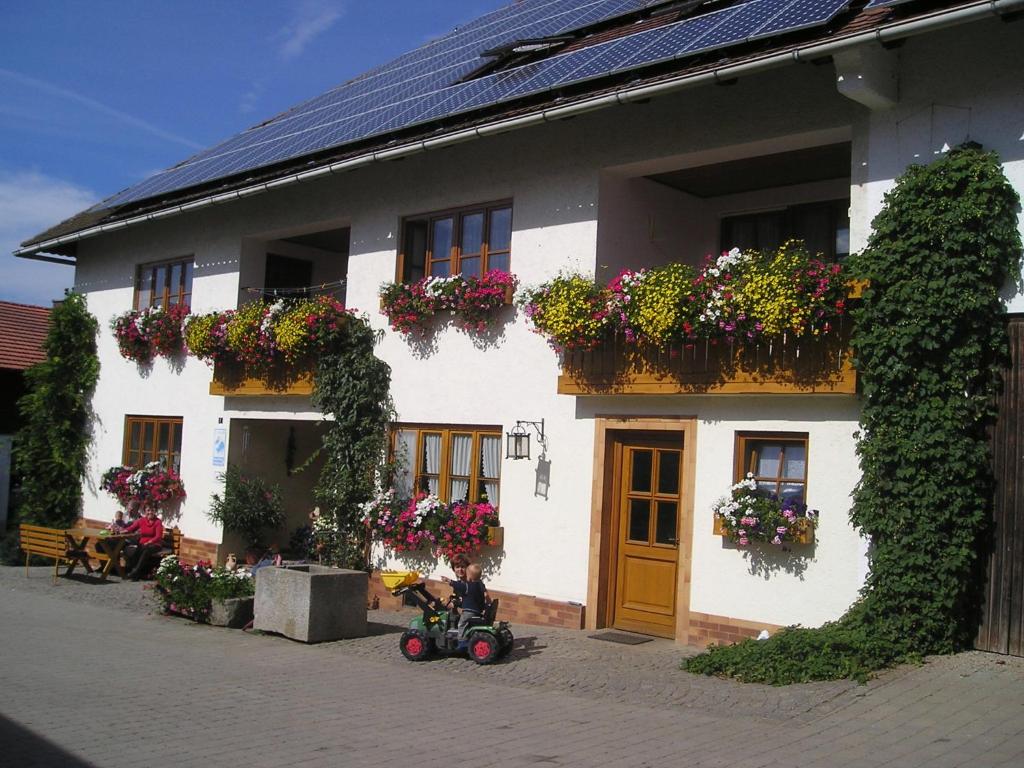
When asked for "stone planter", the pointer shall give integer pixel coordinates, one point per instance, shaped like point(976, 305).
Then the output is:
point(233, 613)
point(311, 603)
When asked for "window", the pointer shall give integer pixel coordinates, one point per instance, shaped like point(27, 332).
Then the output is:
point(468, 241)
point(164, 284)
point(778, 462)
point(152, 438)
point(824, 227)
point(452, 462)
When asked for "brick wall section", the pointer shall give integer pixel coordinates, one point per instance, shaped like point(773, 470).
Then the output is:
point(193, 550)
point(518, 609)
point(706, 628)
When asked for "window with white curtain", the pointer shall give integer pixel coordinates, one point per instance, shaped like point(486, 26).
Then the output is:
point(452, 462)
point(778, 462)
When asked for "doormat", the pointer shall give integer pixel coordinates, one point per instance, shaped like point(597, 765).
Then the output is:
point(621, 637)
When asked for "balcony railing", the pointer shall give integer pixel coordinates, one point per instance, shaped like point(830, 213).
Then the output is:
point(787, 365)
point(231, 381)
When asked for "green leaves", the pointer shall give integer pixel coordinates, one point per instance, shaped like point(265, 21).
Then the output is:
point(50, 448)
point(353, 386)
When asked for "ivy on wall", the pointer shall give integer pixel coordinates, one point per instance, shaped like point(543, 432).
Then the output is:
point(351, 385)
point(929, 345)
point(50, 449)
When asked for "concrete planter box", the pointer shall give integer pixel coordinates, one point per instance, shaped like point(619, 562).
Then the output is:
point(311, 603)
point(233, 613)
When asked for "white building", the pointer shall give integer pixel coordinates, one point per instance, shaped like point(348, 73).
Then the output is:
point(786, 126)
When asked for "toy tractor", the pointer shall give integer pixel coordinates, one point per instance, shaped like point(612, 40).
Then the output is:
point(437, 629)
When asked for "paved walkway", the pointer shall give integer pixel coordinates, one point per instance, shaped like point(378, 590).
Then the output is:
point(74, 693)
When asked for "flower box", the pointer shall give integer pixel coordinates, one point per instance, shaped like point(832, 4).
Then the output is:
point(804, 533)
point(495, 535)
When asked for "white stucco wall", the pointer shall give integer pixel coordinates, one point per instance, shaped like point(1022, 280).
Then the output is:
point(554, 175)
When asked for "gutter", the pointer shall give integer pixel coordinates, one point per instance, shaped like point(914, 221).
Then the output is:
point(887, 34)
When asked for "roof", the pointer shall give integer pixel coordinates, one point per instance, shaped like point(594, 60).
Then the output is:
point(529, 56)
point(23, 329)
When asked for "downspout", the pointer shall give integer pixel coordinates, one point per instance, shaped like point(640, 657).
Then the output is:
point(887, 34)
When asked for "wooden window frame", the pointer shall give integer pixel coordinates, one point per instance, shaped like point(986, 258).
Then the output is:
point(454, 257)
point(152, 453)
point(148, 272)
point(746, 457)
point(445, 476)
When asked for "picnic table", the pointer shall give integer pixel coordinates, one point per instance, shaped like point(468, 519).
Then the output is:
point(78, 540)
point(72, 546)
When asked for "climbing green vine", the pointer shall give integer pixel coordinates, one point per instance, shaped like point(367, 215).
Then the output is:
point(929, 344)
point(351, 385)
point(51, 448)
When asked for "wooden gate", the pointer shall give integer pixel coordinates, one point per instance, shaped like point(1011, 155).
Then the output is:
point(1002, 626)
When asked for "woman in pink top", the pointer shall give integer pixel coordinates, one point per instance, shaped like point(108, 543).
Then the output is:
point(151, 541)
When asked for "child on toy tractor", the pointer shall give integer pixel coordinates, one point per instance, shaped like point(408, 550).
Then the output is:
point(443, 627)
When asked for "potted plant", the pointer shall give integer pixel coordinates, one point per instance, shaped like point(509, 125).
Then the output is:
point(249, 507)
point(204, 592)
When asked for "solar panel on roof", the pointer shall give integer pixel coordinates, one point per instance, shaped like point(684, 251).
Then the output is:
point(880, 3)
point(425, 84)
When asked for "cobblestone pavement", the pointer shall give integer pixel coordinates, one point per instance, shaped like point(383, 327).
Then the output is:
point(91, 677)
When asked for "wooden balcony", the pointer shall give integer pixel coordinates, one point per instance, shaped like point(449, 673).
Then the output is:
point(231, 381)
point(806, 365)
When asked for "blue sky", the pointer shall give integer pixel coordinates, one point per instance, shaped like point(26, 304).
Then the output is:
point(95, 95)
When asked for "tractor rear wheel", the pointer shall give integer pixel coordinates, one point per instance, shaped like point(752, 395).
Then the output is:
point(483, 647)
point(414, 646)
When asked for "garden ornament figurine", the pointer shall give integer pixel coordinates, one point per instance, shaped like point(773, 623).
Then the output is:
point(232, 562)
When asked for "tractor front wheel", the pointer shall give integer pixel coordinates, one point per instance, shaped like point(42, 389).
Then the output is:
point(414, 646)
point(483, 647)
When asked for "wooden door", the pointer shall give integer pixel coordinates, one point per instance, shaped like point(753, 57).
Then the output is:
point(1002, 625)
point(649, 500)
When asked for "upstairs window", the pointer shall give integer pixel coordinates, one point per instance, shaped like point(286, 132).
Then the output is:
point(467, 241)
point(824, 227)
point(164, 284)
point(778, 462)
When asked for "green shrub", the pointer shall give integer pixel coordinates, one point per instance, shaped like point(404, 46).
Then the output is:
point(249, 506)
point(50, 449)
point(191, 590)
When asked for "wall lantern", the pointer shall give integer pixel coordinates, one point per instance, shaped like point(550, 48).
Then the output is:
point(518, 440)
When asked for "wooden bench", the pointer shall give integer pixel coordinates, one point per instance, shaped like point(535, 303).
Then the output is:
point(48, 542)
point(53, 542)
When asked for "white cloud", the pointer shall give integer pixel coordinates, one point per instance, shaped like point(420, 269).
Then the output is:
point(311, 18)
point(29, 203)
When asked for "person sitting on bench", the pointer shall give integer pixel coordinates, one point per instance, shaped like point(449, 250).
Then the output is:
point(151, 540)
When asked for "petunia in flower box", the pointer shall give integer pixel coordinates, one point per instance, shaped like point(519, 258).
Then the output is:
point(142, 334)
point(748, 515)
point(472, 302)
